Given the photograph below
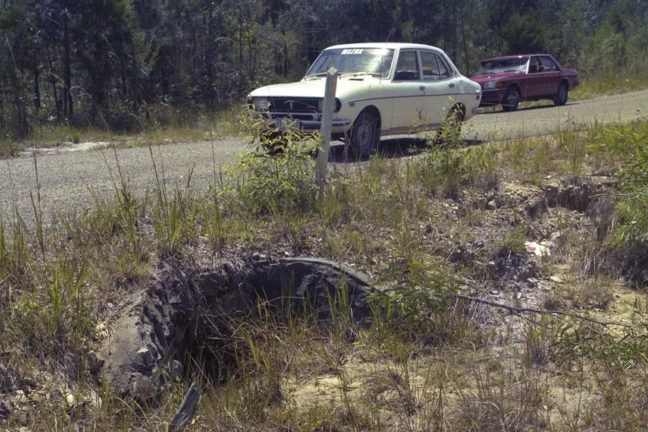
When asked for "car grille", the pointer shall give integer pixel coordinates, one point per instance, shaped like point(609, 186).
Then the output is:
point(293, 108)
point(294, 105)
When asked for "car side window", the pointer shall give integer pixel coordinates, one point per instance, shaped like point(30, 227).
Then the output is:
point(548, 64)
point(434, 68)
point(534, 65)
point(407, 68)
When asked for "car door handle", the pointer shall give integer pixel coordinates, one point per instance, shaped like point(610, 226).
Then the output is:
point(451, 85)
point(422, 88)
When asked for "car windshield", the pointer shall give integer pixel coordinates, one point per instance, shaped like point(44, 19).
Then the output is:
point(371, 61)
point(515, 64)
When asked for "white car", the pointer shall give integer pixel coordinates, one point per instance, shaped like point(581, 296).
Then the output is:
point(382, 89)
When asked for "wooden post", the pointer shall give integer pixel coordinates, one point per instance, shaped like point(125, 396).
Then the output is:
point(325, 129)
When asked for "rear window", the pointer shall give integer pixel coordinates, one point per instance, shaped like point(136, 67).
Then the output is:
point(513, 64)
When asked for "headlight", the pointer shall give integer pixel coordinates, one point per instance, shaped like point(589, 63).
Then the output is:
point(336, 106)
point(488, 85)
point(260, 103)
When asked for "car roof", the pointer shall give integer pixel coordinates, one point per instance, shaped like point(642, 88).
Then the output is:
point(514, 56)
point(392, 45)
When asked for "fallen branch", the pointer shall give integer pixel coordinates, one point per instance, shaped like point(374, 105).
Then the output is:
point(523, 310)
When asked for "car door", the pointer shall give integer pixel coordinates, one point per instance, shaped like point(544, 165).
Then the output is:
point(408, 93)
point(439, 87)
point(535, 79)
point(544, 77)
point(551, 76)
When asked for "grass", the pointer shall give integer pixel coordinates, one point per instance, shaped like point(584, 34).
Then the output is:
point(176, 129)
point(600, 85)
point(423, 228)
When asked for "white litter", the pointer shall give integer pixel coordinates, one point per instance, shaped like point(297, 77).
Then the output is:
point(539, 249)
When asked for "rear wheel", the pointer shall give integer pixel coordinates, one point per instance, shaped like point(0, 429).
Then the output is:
point(450, 131)
point(364, 135)
point(560, 98)
point(511, 99)
point(456, 117)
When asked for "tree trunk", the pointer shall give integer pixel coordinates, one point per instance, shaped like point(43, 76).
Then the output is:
point(53, 79)
point(68, 109)
point(37, 97)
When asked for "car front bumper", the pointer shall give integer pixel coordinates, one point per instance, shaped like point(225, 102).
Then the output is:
point(281, 124)
point(492, 97)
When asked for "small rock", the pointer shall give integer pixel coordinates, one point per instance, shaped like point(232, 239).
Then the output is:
point(94, 400)
point(140, 387)
point(101, 331)
point(20, 397)
point(95, 362)
point(177, 370)
point(71, 400)
point(23, 418)
point(5, 410)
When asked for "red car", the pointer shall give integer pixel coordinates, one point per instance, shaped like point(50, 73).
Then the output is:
point(508, 80)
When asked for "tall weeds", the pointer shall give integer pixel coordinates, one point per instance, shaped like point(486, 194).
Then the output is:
point(426, 360)
point(628, 147)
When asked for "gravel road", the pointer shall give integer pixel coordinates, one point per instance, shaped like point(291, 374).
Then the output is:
point(73, 177)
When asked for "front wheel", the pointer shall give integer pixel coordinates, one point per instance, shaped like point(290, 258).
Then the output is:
point(560, 98)
point(511, 99)
point(364, 135)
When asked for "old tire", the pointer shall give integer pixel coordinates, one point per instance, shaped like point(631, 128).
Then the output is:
point(511, 99)
point(364, 135)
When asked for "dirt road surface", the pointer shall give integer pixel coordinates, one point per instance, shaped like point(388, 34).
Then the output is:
point(76, 179)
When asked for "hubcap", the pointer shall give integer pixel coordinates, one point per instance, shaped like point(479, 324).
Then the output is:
point(365, 136)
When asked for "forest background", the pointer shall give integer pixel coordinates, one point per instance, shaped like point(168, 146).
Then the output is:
point(129, 65)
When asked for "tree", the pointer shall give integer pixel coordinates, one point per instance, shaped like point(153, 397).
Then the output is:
point(124, 63)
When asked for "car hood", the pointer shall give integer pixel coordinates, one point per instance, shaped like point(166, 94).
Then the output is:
point(314, 87)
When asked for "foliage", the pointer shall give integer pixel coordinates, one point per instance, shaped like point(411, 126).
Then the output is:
point(277, 176)
point(628, 144)
point(448, 165)
point(416, 307)
point(128, 65)
point(57, 324)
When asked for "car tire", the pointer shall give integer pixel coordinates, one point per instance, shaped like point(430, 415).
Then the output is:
point(511, 99)
point(364, 135)
point(451, 129)
point(560, 98)
point(456, 116)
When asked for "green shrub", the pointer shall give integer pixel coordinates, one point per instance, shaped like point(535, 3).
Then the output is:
point(58, 318)
point(628, 145)
point(417, 308)
point(277, 176)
